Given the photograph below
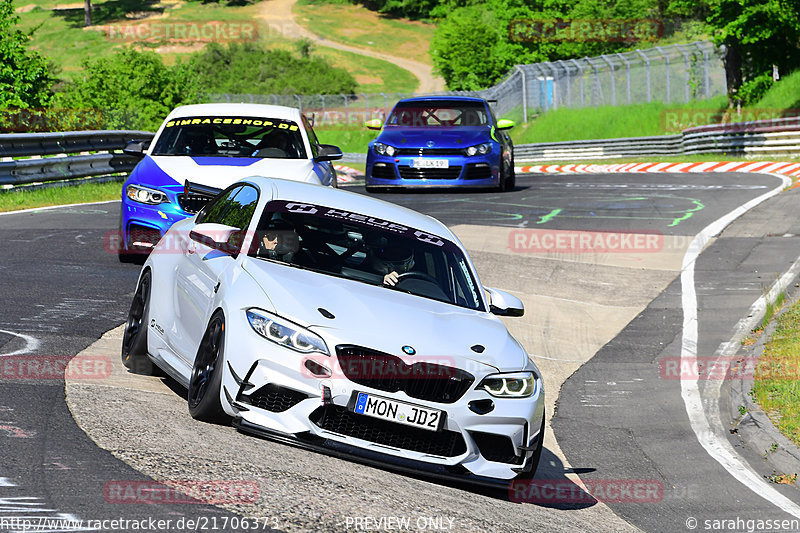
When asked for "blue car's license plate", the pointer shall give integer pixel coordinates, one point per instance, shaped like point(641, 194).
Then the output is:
point(430, 163)
point(400, 412)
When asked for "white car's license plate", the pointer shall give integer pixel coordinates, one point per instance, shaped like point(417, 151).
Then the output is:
point(430, 163)
point(400, 412)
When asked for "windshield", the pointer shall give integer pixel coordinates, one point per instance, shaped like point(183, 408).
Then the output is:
point(445, 113)
point(365, 249)
point(231, 137)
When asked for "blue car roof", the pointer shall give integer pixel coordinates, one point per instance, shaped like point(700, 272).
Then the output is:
point(440, 98)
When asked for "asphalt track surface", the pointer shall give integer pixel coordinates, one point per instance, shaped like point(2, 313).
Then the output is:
point(62, 289)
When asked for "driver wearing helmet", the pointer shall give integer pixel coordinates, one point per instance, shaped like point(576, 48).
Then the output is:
point(279, 241)
point(393, 260)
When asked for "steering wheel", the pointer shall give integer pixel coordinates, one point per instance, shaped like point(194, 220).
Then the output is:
point(419, 275)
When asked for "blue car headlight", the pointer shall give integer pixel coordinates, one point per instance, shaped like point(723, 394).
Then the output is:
point(479, 149)
point(285, 333)
point(384, 149)
point(513, 385)
point(143, 195)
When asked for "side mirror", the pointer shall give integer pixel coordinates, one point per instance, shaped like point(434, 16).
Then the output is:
point(374, 124)
point(225, 239)
point(328, 152)
point(502, 303)
point(136, 148)
point(505, 124)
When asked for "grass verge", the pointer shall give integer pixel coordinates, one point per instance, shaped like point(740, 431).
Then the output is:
point(776, 387)
point(78, 194)
point(357, 26)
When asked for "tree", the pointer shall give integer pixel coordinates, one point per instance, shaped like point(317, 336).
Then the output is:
point(132, 90)
point(757, 34)
point(25, 79)
point(87, 13)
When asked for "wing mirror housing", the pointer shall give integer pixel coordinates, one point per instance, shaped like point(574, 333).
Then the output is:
point(136, 148)
point(328, 152)
point(505, 124)
point(374, 124)
point(502, 303)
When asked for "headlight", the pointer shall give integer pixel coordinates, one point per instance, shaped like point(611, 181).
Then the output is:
point(384, 149)
point(516, 385)
point(143, 195)
point(285, 333)
point(479, 149)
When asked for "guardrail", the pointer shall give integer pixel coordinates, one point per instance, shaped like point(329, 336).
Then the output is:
point(40, 157)
point(775, 137)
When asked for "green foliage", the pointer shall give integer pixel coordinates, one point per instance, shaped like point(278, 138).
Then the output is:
point(131, 89)
point(470, 49)
point(248, 68)
point(761, 33)
point(25, 78)
point(754, 90)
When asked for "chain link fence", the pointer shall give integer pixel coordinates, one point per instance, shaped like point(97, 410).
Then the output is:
point(668, 74)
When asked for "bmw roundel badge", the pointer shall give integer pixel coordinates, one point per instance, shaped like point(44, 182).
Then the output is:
point(408, 350)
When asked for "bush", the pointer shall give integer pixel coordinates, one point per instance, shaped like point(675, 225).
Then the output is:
point(25, 79)
point(132, 90)
point(247, 68)
point(754, 90)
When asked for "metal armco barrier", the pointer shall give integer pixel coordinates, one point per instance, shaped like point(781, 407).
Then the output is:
point(70, 158)
point(776, 137)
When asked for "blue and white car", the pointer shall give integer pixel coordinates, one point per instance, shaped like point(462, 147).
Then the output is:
point(214, 145)
point(341, 323)
point(441, 141)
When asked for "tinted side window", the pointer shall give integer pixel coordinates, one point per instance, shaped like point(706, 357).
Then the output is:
point(312, 137)
point(241, 208)
point(215, 211)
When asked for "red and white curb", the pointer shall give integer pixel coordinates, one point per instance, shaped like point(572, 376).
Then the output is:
point(346, 174)
point(770, 167)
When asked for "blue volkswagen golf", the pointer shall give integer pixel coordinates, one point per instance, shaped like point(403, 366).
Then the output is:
point(441, 141)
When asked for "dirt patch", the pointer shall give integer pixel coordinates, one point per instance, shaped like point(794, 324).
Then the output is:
point(25, 9)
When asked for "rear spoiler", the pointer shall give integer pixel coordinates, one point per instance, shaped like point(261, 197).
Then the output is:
point(200, 190)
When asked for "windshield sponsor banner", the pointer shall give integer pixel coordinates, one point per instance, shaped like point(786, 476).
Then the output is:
point(233, 121)
point(55, 367)
point(216, 492)
point(332, 213)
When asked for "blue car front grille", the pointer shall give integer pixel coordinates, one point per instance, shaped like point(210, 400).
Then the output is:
point(408, 173)
point(429, 151)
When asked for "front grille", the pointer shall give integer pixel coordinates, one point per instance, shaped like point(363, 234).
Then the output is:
point(192, 203)
point(383, 171)
point(389, 373)
point(339, 420)
point(142, 237)
point(497, 448)
point(408, 173)
point(275, 398)
point(429, 151)
point(477, 171)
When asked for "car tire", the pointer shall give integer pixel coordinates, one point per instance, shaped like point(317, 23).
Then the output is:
point(134, 338)
point(508, 180)
point(537, 455)
point(206, 379)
